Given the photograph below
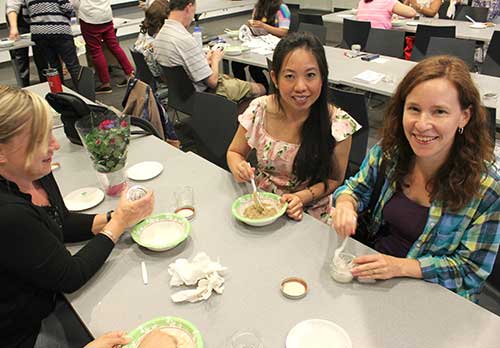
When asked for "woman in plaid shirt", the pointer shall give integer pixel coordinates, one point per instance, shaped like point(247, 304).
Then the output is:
point(437, 216)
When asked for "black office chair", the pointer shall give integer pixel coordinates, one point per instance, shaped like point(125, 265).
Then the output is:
point(444, 8)
point(294, 22)
point(214, 123)
point(422, 37)
point(142, 71)
point(492, 122)
point(146, 127)
point(463, 49)
point(180, 90)
point(355, 32)
point(310, 17)
point(317, 30)
point(86, 83)
point(491, 65)
point(355, 104)
point(386, 42)
point(479, 14)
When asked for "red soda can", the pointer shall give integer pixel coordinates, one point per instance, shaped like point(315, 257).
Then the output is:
point(53, 79)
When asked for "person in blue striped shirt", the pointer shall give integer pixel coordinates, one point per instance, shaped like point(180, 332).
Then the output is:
point(437, 216)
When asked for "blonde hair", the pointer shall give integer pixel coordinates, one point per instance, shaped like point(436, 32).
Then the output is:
point(20, 109)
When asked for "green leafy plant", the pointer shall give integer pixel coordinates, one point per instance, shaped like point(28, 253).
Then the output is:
point(107, 144)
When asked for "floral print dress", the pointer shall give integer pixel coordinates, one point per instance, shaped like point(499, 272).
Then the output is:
point(275, 157)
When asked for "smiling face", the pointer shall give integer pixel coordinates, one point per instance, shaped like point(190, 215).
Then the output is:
point(299, 81)
point(431, 117)
point(14, 155)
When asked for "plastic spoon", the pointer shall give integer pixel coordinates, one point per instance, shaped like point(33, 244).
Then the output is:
point(340, 249)
point(469, 18)
point(256, 199)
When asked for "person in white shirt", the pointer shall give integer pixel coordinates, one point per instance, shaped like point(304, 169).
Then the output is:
point(96, 23)
point(427, 8)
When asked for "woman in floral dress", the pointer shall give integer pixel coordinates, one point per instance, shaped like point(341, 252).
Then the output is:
point(302, 142)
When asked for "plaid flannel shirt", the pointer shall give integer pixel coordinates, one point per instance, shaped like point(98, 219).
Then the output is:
point(456, 249)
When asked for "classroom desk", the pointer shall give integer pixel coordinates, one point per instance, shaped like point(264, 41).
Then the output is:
point(203, 6)
point(463, 29)
point(342, 70)
point(394, 313)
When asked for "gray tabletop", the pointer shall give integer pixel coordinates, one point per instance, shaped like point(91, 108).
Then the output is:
point(395, 313)
point(203, 6)
point(343, 69)
point(21, 43)
point(463, 29)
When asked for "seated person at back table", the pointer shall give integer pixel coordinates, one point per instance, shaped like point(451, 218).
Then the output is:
point(379, 12)
point(302, 142)
point(155, 17)
point(175, 46)
point(427, 8)
point(272, 16)
point(438, 212)
point(34, 263)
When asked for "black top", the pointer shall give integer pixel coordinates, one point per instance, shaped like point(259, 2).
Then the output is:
point(34, 264)
point(404, 221)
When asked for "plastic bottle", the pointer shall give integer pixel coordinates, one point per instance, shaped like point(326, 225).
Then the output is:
point(197, 35)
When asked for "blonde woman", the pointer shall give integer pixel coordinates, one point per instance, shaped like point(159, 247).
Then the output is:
point(35, 265)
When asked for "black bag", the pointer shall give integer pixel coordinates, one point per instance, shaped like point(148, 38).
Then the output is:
point(71, 108)
point(365, 219)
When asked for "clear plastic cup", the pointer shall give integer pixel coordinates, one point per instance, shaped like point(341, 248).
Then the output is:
point(340, 269)
point(246, 339)
point(184, 202)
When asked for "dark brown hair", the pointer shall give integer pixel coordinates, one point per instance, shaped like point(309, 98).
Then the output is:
point(155, 17)
point(458, 180)
point(267, 9)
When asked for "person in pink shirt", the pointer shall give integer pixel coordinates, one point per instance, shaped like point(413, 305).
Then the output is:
point(379, 12)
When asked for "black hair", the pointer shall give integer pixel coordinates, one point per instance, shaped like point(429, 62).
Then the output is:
point(266, 8)
point(179, 5)
point(313, 160)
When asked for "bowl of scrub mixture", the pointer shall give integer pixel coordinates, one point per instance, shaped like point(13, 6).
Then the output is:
point(341, 266)
point(161, 232)
point(246, 210)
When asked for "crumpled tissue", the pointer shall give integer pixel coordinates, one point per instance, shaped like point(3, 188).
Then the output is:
point(201, 271)
point(450, 12)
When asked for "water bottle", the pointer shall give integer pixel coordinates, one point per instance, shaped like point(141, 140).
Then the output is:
point(197, 35)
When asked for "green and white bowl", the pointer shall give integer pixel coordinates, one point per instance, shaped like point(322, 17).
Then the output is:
point(161, 232)
point(241, 203)
point(165, 322)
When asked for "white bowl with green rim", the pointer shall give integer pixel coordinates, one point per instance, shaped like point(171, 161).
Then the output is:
point(241, 203)
point(169, 325)
point(233, 50)
point(161, 232)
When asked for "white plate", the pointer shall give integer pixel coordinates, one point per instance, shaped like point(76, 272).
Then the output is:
point(317, 333)
point(412, 23)
point(83, 199)
point(144, 170)
point(233, 50)
point(477, 26)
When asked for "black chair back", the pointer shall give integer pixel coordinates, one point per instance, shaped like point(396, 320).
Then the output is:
point(180, 89)
point(214, 123)
point(142, 71)
point(463, 49)
point(355, 104)
point(309, 17)
point(294, 22)
point(422, 37)
point(355, 32)
point(491, 65)
point(444, 8)
point(317, 30)
point(492, 122)
point(146, 127)
point(86, 83)
point(386, 42)
point(479, 14)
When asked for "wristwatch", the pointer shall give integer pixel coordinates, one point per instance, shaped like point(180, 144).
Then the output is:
point(108, 215)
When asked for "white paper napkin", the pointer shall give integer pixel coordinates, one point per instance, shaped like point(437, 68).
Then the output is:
point(369, 76)
point(202, 271)
point(450, 13)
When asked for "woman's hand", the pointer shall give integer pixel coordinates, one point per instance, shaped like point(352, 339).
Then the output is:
point(256, 24)
point(110, 340)
point(377, 266)
point(129, 212)
point(158, 339)
point(243, 172)
point(295, 209)
point(344, 219)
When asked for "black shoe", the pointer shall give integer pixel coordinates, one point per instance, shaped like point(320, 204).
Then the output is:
point(103, 90)
point(122, 83)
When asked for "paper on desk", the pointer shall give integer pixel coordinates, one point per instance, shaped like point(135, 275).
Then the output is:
point(369, 76)
point(202, 271)
point(380, 60)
